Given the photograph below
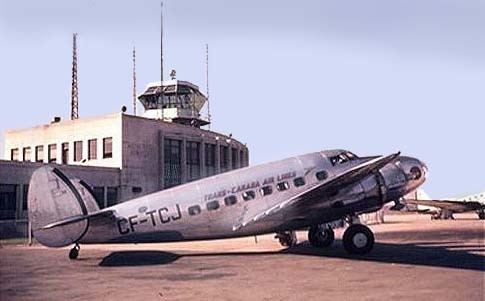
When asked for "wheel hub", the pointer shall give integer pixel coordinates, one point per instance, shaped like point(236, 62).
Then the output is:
point(360, 240)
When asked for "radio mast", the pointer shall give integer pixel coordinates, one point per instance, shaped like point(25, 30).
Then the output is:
point(134, 81)
point(74, 90)
point(207, 84)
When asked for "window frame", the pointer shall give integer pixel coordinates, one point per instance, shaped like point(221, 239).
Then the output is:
point(303, 182)
point(106, 154)
point(93, 154)
point(266, 190)
point(285, 184)
point(194, 210)
point(213, 208)
point(248, 195)
point(78, 144)
point(324, 172)
point(230, 200)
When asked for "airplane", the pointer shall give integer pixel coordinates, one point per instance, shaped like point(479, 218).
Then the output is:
point(303, 192)
point(444, 209)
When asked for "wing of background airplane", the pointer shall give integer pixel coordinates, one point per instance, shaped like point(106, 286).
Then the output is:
point(455, 206)
point(315, 193)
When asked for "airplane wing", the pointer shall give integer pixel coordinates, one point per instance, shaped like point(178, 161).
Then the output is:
point(315, 193)
point(454, 206)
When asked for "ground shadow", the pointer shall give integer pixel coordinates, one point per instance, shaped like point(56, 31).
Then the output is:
point(437, 256)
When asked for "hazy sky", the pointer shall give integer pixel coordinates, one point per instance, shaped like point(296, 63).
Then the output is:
point(286, 77)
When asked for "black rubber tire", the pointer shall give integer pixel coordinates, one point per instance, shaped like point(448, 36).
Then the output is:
point(348, 239)
point(481, 215)
point(318, 240)
point(74, 253)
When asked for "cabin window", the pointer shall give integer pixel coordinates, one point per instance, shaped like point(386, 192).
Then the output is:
point(39, 153)
point(230, 200)
point(194, 210)
point(248, 195)
point(27, 154)
point(300, 181)
point(213, 205)
point(266, 190)
point(321, 175)
point(281, 186)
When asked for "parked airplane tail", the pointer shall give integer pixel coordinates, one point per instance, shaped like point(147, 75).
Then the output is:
point(59, 207)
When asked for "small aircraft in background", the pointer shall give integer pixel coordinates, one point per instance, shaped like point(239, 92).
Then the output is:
point(444, 209)
point(304, 192)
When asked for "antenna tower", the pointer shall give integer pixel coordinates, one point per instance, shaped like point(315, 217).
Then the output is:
point(207, 83)
point(161, 58)
point(74, 90)
point(134, 81)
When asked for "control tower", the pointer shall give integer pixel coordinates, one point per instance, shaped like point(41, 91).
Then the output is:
point(179, 102)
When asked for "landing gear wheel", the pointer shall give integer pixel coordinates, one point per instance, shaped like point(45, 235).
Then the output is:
point(287, 239)
point(358, 239)
point(481, 215)
point(74, 253)
point(320, 236)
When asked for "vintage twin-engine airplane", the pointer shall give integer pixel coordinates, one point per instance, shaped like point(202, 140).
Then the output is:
point(444, 209)
point(304, 192)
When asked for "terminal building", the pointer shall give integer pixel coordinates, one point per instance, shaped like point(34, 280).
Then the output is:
point(121, 156)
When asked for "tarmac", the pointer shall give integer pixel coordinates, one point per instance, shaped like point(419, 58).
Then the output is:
point(414, 258)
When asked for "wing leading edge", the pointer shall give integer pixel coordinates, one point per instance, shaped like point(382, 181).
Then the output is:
point(350, 176)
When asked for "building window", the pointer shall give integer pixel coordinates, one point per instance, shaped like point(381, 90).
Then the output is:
point(172, 162)
point(8, 201)
point(27, 154)
point(39, 153)
point(300, 181)
point(193, 160)
point(112, 196)
point(281, 186)
point(52, 153)
point(136, 189)
point(14, 154)
point(210, 159)
point(78, 151)
point(266, 190)
point(107, 147)
point(234, 158)
point(99, 196)
point(224, 158)
point(25, 194)
point(230, 200)
point(213, 205)
point(194, 210)
point(321, 175)
point(65, 152)
point(92, 149)
point(241, 158)
point(248, 195)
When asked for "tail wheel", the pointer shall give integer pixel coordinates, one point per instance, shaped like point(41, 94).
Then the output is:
point(74, 253)
point(320, 236)
point(358, 239)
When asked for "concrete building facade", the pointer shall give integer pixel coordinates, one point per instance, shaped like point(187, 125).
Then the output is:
point(121, 156)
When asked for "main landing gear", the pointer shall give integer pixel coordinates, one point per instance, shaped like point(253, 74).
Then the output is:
point(287, 238)
point(321, 236)
point(481, 214)
point(357, 238)
point(74, 253)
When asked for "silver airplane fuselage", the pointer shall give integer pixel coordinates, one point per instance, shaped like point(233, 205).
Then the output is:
point(211, 208)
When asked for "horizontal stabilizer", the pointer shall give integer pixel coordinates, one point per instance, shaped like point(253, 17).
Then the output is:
point(78, 218)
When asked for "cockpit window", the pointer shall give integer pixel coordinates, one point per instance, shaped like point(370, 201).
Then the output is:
point(342, 158)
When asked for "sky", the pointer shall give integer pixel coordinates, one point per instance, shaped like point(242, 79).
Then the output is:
point(286, 77)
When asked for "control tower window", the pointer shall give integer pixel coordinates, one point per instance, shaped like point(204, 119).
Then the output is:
point(210, 159)
point(14, 154)
point(193, 160)
point(27, 154)
point(52, 153)
point(107, 147)
point(224, 154)
point(39, 153)
point(78, 151)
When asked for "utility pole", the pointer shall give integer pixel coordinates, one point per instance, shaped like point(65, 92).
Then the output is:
point(161, 59)
point(74, 89)
point(207, 83)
